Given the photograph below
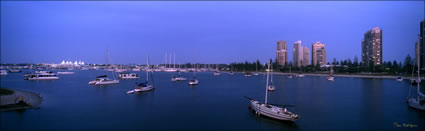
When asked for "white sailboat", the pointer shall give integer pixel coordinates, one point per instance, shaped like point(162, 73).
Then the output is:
point(419, 101)
point(290, 73)
point(217, 71)
point(331, 75)
point(103, 80)
point(178, 78)
point(194, 81)
point(256, 71)
point(271, 87)
point(272, 110)
point(142, 87)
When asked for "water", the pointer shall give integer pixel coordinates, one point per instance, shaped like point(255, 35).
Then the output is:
point(216, 103)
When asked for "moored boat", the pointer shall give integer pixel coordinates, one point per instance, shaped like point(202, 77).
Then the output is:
point(271, 110)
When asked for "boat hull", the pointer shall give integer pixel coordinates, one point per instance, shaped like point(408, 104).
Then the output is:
point(273, 111)
point(413, 103)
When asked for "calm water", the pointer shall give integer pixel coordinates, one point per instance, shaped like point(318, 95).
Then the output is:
point(216, 103)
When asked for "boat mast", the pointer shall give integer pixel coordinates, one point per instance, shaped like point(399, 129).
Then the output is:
point(267, 84)
point(147, 69)
point(174, 60)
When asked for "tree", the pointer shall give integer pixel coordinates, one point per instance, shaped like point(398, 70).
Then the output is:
point(356, 61)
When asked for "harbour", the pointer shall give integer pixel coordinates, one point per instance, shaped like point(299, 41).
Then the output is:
point(217, 102)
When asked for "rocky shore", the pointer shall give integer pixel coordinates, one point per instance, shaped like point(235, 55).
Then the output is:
point(19, 100)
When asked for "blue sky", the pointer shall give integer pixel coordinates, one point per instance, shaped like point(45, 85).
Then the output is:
point(206, 32)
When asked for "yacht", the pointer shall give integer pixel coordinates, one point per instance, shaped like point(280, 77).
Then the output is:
point(3, 72)
point(42, 76)
point(103, 80)
point(143, 87)
point(127, 75)
point(272, 110)
point(418, 102)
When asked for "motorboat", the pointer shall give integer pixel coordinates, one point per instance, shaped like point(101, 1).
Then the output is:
point(216, 73)
point(127, 75)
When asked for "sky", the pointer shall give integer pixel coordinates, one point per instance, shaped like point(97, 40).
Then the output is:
point(200, 31)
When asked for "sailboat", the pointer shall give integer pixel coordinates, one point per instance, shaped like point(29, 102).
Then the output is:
point(104, 80)
point(419, 101)
point(271, 87)
point(217, 72)
point(278, 112)
point(194, 81)
point(331, 75)
point(145, 86)
point(256, 72)
point(178, 78)
point(290, 73)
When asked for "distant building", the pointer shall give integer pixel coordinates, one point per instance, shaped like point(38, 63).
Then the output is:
point(372, 47)
point(297, 54)
point(306, 56)
point(282, 53)
point(318, 54)
point(421, 42)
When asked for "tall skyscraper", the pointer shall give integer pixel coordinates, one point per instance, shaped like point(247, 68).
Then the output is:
point(282, 53)
point(421, 42)
point(306, 56)
point(318, 54)
point(372, 47)
point(298, 54)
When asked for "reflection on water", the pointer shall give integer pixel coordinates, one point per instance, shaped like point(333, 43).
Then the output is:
point(216, 103)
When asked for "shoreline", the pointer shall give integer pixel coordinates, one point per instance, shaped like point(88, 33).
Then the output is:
point(345, 75)
point(19, 100)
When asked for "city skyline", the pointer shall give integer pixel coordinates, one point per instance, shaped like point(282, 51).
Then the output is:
point(197, 31)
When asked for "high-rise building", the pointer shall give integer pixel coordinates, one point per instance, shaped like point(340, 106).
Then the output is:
point(298, 54)
point(318, 54)
point(421, 42)
point(372, 47)
point(306, 56)
point(282, 53)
